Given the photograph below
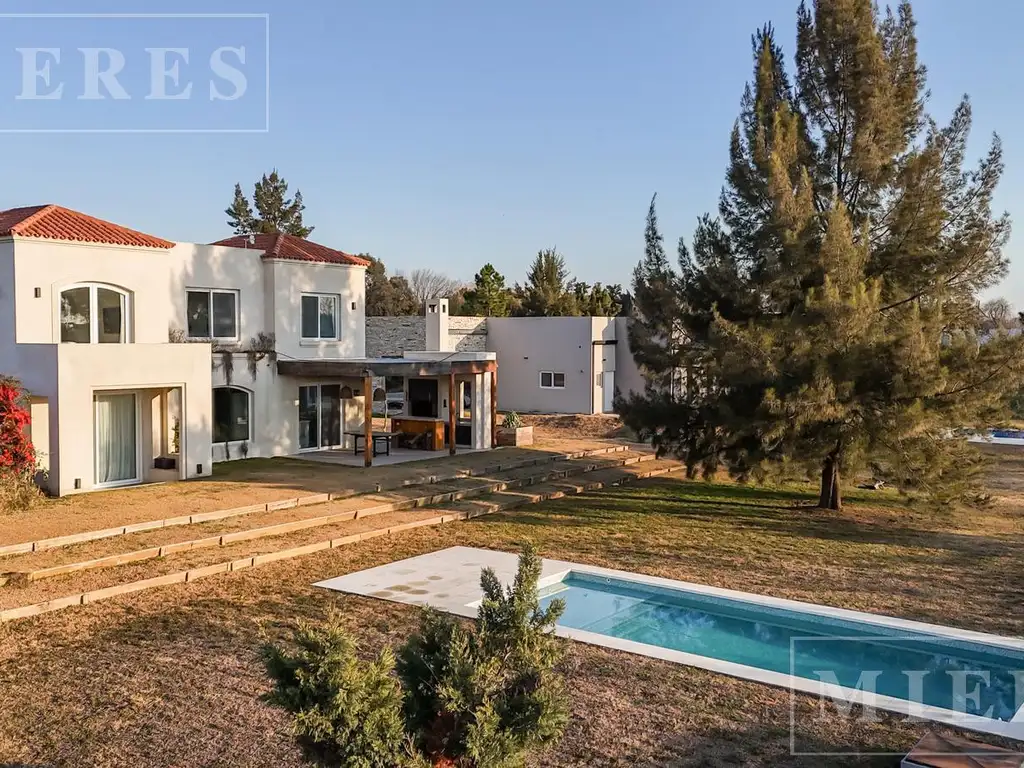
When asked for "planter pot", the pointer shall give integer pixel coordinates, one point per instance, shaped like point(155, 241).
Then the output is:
point(512, 437)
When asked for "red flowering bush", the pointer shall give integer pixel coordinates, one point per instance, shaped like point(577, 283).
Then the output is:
point(16, 452)
point(17, 456)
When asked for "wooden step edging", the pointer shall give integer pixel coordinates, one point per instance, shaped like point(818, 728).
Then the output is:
point(300, 501)
point(151, 553)
point(195, 574)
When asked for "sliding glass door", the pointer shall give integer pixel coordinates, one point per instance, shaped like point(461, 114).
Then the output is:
point(117, 445)
point(319, 416)
point(330, 415)
point(309, 417)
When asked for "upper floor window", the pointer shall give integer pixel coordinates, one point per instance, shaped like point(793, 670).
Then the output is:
point(319, 316)
point(93, 314)
point(552, 380)
point(212, 314)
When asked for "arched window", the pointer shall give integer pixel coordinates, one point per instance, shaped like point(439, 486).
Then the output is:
point(231, 415)
point(94, 314)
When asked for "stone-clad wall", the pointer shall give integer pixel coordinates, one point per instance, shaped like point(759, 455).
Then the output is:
point(391, 336)
point(468, 334)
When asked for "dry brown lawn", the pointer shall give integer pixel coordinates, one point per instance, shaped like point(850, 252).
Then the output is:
point(171, 677)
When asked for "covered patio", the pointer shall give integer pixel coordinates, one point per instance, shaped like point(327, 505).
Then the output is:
point(449, 400)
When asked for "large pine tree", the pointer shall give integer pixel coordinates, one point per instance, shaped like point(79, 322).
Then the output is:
point(830, 315)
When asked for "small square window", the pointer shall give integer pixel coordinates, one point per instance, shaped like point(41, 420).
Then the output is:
point(552, 380)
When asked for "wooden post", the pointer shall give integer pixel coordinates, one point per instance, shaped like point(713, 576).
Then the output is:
point(368, 421)
point(451, 413)
point(494, 406)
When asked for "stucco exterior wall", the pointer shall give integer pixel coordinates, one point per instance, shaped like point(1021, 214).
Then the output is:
point(52, 266)
point(66, 377)
point(628, 377)
point(290, 280)
point(269, 294)
point(215, 266)
point(525, 346)
point(274, 410)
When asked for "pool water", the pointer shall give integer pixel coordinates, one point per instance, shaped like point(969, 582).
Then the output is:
point(762, 637)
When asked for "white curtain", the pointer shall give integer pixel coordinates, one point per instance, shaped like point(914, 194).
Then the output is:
point(115, 439)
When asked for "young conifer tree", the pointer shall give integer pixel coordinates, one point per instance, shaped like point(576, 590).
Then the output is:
point(831, 315)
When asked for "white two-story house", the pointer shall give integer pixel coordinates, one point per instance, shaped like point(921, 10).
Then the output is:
point(147, 360)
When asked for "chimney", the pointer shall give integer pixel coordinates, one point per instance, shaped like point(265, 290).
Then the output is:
point(438, 339)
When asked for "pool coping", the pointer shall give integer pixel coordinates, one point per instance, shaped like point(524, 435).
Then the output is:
point(457, 563)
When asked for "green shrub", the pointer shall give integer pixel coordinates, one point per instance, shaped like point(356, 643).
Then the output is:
point(344, 710)
point(512, 420)
point(483, 698)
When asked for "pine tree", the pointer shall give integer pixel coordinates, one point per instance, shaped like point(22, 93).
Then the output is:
point(830, 316)
point(547, 292)
point(240, 216)
point(483, 697)
point(488, 297)
point(275, 211)
point(343, 709)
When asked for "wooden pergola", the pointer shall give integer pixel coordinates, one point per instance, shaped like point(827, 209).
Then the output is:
point(368, 369)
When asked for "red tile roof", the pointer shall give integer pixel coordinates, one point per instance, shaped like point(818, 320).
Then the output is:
point(52, 222)
point(280, 246)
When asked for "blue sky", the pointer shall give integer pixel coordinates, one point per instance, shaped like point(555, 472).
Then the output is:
point(449, 133)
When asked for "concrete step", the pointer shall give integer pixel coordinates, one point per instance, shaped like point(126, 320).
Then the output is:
point(427, 476)
point(87, 587)
point(151, 545)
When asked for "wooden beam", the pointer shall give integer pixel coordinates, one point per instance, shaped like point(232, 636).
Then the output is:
point(494, 407)
point(342, 369)
point(368, 421)
point(451, 413)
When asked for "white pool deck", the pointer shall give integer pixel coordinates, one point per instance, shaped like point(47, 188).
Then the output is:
point(449, 580)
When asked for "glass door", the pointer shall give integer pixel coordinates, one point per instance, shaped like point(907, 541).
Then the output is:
point(319, 416)
point(116, 425)
point(330, 415)
point(309, 417)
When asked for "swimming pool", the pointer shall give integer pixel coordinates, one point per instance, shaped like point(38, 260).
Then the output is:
point(940, 673)
point(962, 676)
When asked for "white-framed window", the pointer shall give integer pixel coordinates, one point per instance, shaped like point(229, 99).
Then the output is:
point(91, 313)
point(231, 409)
point(319, 321)
point(552, 380)
point(212, 314)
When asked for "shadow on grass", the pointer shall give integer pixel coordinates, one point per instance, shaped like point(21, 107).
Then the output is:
point(753, 509)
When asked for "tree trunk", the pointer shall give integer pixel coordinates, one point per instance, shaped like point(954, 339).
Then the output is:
point(830, 496)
